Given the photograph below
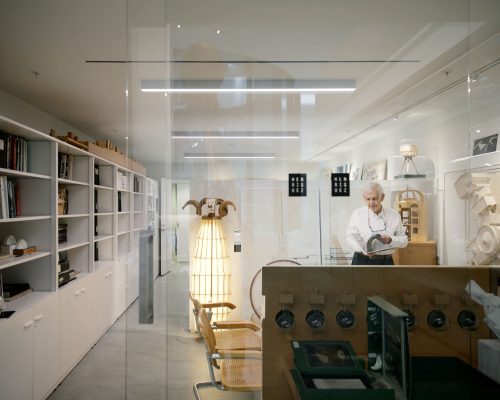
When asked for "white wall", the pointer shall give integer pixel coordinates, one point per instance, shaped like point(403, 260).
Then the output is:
point(20, 111)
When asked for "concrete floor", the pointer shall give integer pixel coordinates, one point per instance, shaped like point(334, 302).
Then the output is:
point(142, 362)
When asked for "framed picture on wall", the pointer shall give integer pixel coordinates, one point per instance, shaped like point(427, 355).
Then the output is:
point(374, 171)
point(487, 144)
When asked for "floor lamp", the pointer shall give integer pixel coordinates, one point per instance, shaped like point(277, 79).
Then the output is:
point(210, 269)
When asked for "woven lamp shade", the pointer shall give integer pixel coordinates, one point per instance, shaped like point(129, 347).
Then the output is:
point(211, 274)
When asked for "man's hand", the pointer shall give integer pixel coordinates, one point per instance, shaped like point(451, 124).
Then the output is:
point(385, 239)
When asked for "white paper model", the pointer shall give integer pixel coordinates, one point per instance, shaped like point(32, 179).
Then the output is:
point(476, 188)
point(490, 303)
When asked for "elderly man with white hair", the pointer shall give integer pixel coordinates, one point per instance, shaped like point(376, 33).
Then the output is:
point(374, 221)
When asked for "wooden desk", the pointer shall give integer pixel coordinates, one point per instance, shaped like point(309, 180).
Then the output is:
point(417, 253)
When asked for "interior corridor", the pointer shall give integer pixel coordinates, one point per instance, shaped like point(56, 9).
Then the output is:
point(145, 362)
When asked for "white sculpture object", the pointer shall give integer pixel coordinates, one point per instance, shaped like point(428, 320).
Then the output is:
point(490, 303)
point(476, 187)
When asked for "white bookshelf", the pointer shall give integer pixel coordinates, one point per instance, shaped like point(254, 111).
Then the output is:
point(101, 244)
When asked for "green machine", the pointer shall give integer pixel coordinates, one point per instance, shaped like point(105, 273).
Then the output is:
point(331, 369)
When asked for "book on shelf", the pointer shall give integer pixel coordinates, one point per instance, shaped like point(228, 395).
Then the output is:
point(62, 261)
point(13, 152)
point(13, 291)
point(62, 201)
point(9, 198)
point(3, 149)
point(119, 201)
point(65, 166)
point(62, 233)
point(66, 276)
point(96, 175)
point(96, 208)
point(136, 184)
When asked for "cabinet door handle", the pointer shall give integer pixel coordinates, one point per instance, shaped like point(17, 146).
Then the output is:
point(83, 290)
point(38, 317)
point(77, 293)
point(28, 324)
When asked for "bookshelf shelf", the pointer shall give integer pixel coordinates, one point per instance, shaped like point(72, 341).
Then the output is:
point(21, 174)
point(101, 187)
point(102, 214)
point(25, 218)
point(103, 237)
point(62, 181)
point(123, 233)
point(11, 261)
point(70, 246)
point(72, 216)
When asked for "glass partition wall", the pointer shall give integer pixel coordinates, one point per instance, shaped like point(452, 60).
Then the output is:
point(246, 103)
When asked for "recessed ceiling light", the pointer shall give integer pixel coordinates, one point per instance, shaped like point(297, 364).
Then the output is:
point(218, 31)
point(230, 156)
point(478, 130)
point(249, 86)
point(178, 26)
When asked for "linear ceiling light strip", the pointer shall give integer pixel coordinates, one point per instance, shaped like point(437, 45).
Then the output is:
point(229, 156)
point(235, 135)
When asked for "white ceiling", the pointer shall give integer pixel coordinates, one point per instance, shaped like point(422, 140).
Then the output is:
point(68, 58)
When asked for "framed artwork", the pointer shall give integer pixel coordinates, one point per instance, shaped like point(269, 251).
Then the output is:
point(340, 184)
point(297, 185)
point(487, 144)
point(374, 171)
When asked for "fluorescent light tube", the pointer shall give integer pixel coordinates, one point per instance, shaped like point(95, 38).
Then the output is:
point(235, 135)
point(230, 156)
point(250, 86)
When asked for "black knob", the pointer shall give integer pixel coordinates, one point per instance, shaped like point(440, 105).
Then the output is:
point(345, 319)
point(467, 320)
point(411, 320)
point(437, 319)
point(315, 319)
point(285, 319)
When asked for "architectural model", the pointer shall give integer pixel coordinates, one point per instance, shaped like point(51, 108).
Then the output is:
point(476, 187)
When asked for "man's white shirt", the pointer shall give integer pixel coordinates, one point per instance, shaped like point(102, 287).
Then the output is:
point(366, 223)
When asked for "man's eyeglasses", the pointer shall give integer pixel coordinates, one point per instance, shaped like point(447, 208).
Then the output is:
point(383, 228)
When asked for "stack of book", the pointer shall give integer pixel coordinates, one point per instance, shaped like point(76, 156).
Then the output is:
point(9, 198)
point(62, 233)
point(13, 152)
point(64, 273)
point(13, 291)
